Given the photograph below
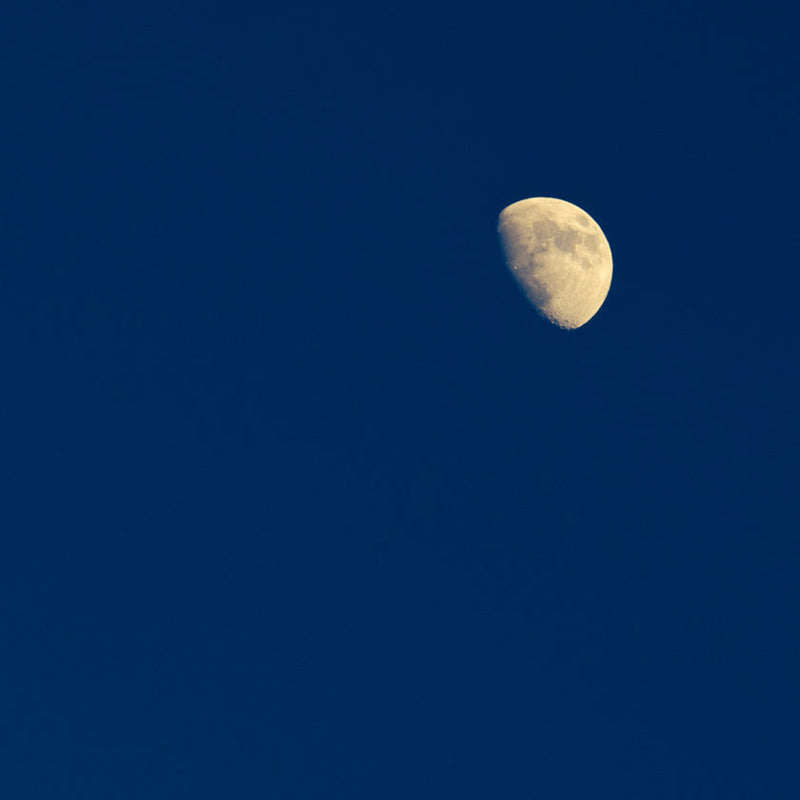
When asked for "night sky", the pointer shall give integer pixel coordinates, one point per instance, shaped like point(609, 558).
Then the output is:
point(300, 498)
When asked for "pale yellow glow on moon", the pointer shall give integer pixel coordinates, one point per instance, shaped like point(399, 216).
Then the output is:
point(559, 256)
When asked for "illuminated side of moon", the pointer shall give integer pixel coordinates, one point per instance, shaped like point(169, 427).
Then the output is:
point(559, 256)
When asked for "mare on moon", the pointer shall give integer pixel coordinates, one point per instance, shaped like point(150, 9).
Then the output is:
point(559, 256)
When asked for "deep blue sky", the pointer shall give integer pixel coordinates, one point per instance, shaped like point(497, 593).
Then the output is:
point(301, 499)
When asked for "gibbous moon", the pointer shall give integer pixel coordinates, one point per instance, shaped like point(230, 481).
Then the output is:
point(559, 256)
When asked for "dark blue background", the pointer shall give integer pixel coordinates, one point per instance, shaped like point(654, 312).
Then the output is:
point(301, 499)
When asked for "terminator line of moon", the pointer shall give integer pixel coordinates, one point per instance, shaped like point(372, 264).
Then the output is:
point(559, 257)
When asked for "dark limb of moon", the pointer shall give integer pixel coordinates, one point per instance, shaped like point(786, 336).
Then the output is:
point(559, 256)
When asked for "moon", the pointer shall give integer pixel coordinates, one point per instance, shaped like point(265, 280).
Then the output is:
point(559, 257)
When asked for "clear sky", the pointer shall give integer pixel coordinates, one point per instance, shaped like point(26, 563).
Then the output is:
point(301, 499)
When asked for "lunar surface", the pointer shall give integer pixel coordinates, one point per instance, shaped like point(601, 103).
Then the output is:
point(559, 256)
